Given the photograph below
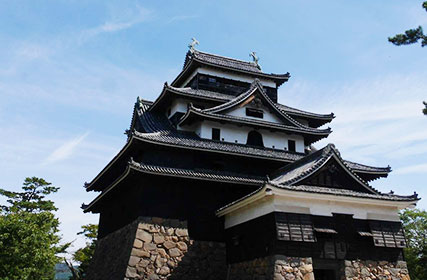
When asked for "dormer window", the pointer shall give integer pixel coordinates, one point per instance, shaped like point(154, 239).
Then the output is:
point(256, 113)
point(291, 146)
point(216, 134)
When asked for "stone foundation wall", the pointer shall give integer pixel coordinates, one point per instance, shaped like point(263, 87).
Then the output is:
point(272, 267)
point(293, 268)
point(112, 254)
point(162, 249)
point(381, 270)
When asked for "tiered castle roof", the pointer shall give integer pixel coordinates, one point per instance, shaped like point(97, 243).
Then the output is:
point(200, 106)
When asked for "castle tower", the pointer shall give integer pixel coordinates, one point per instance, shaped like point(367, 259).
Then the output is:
point(217, 180)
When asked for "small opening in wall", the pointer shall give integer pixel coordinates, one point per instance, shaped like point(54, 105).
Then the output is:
point(255, 139)
point(235, 141)
point(222, 139)
point(291, 146)
point(216, 134)
point(256, 113)
point(273, 146)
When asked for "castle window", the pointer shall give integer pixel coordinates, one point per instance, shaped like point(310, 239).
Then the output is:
point(255, 139)
point(254, 113)
point(291, 146)
point(216, 134)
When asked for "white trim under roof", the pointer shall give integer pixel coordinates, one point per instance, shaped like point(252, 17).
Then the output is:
point(272, 199)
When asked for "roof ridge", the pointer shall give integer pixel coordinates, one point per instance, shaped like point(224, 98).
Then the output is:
point(256, 84)
point(226, 57)
point(369, 166)
point(344, 192)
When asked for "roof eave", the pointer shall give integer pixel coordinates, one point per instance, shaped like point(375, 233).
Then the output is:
point(270, 189)
point(92, 185)
point(194, 112)
point(279, 79)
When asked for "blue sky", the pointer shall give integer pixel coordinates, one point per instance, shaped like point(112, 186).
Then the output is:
point(71, 71)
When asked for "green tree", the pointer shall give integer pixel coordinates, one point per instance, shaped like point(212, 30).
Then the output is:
point(29, 240)
point(84, 255)
point(411, 36)
point(425, 109)
point(415, 225)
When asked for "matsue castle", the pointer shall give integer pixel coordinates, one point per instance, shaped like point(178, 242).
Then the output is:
point(218, 180)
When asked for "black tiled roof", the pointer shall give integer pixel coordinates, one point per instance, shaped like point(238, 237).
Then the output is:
point(157, 127)
point(207, 115)
point(211, 175)
point(222, 61)
point(257, 87)
point(345, 192)
point(301, 169)
point(220, 97)
point(324, 190)
point(201, 93)
point(192, 141)
point(229, 64)
point(294, 111)
point(365, 168)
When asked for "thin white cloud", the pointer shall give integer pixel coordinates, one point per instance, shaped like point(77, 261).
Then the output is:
point(181, 18)
point(65, 150)
point(138, 15)
point(413, 169)
point(32, 51)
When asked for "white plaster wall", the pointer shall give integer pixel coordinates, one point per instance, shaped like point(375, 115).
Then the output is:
point(301, 205)
point(227, 75)
point(178, 105)
point(232, 133)
point(241, 112)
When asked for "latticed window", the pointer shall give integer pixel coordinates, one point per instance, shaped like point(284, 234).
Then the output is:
point(294, 227)
point(387, 234)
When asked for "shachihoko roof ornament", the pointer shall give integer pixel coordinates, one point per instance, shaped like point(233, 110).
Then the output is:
point(192, 45)
point(255, 59)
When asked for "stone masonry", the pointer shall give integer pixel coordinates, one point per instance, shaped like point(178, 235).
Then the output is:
point(272, 267)
point(162, 249)
point(381, 270)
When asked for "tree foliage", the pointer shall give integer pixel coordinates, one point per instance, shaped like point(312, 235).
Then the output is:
point(415, 225)
point(411, 36)
point(425, 109)
point(84, 255)
point(29, 240)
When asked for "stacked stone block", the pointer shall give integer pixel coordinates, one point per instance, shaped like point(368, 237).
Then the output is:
point(162, 249)
point(272, 267)
point(381, 270)
point(293, 268)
